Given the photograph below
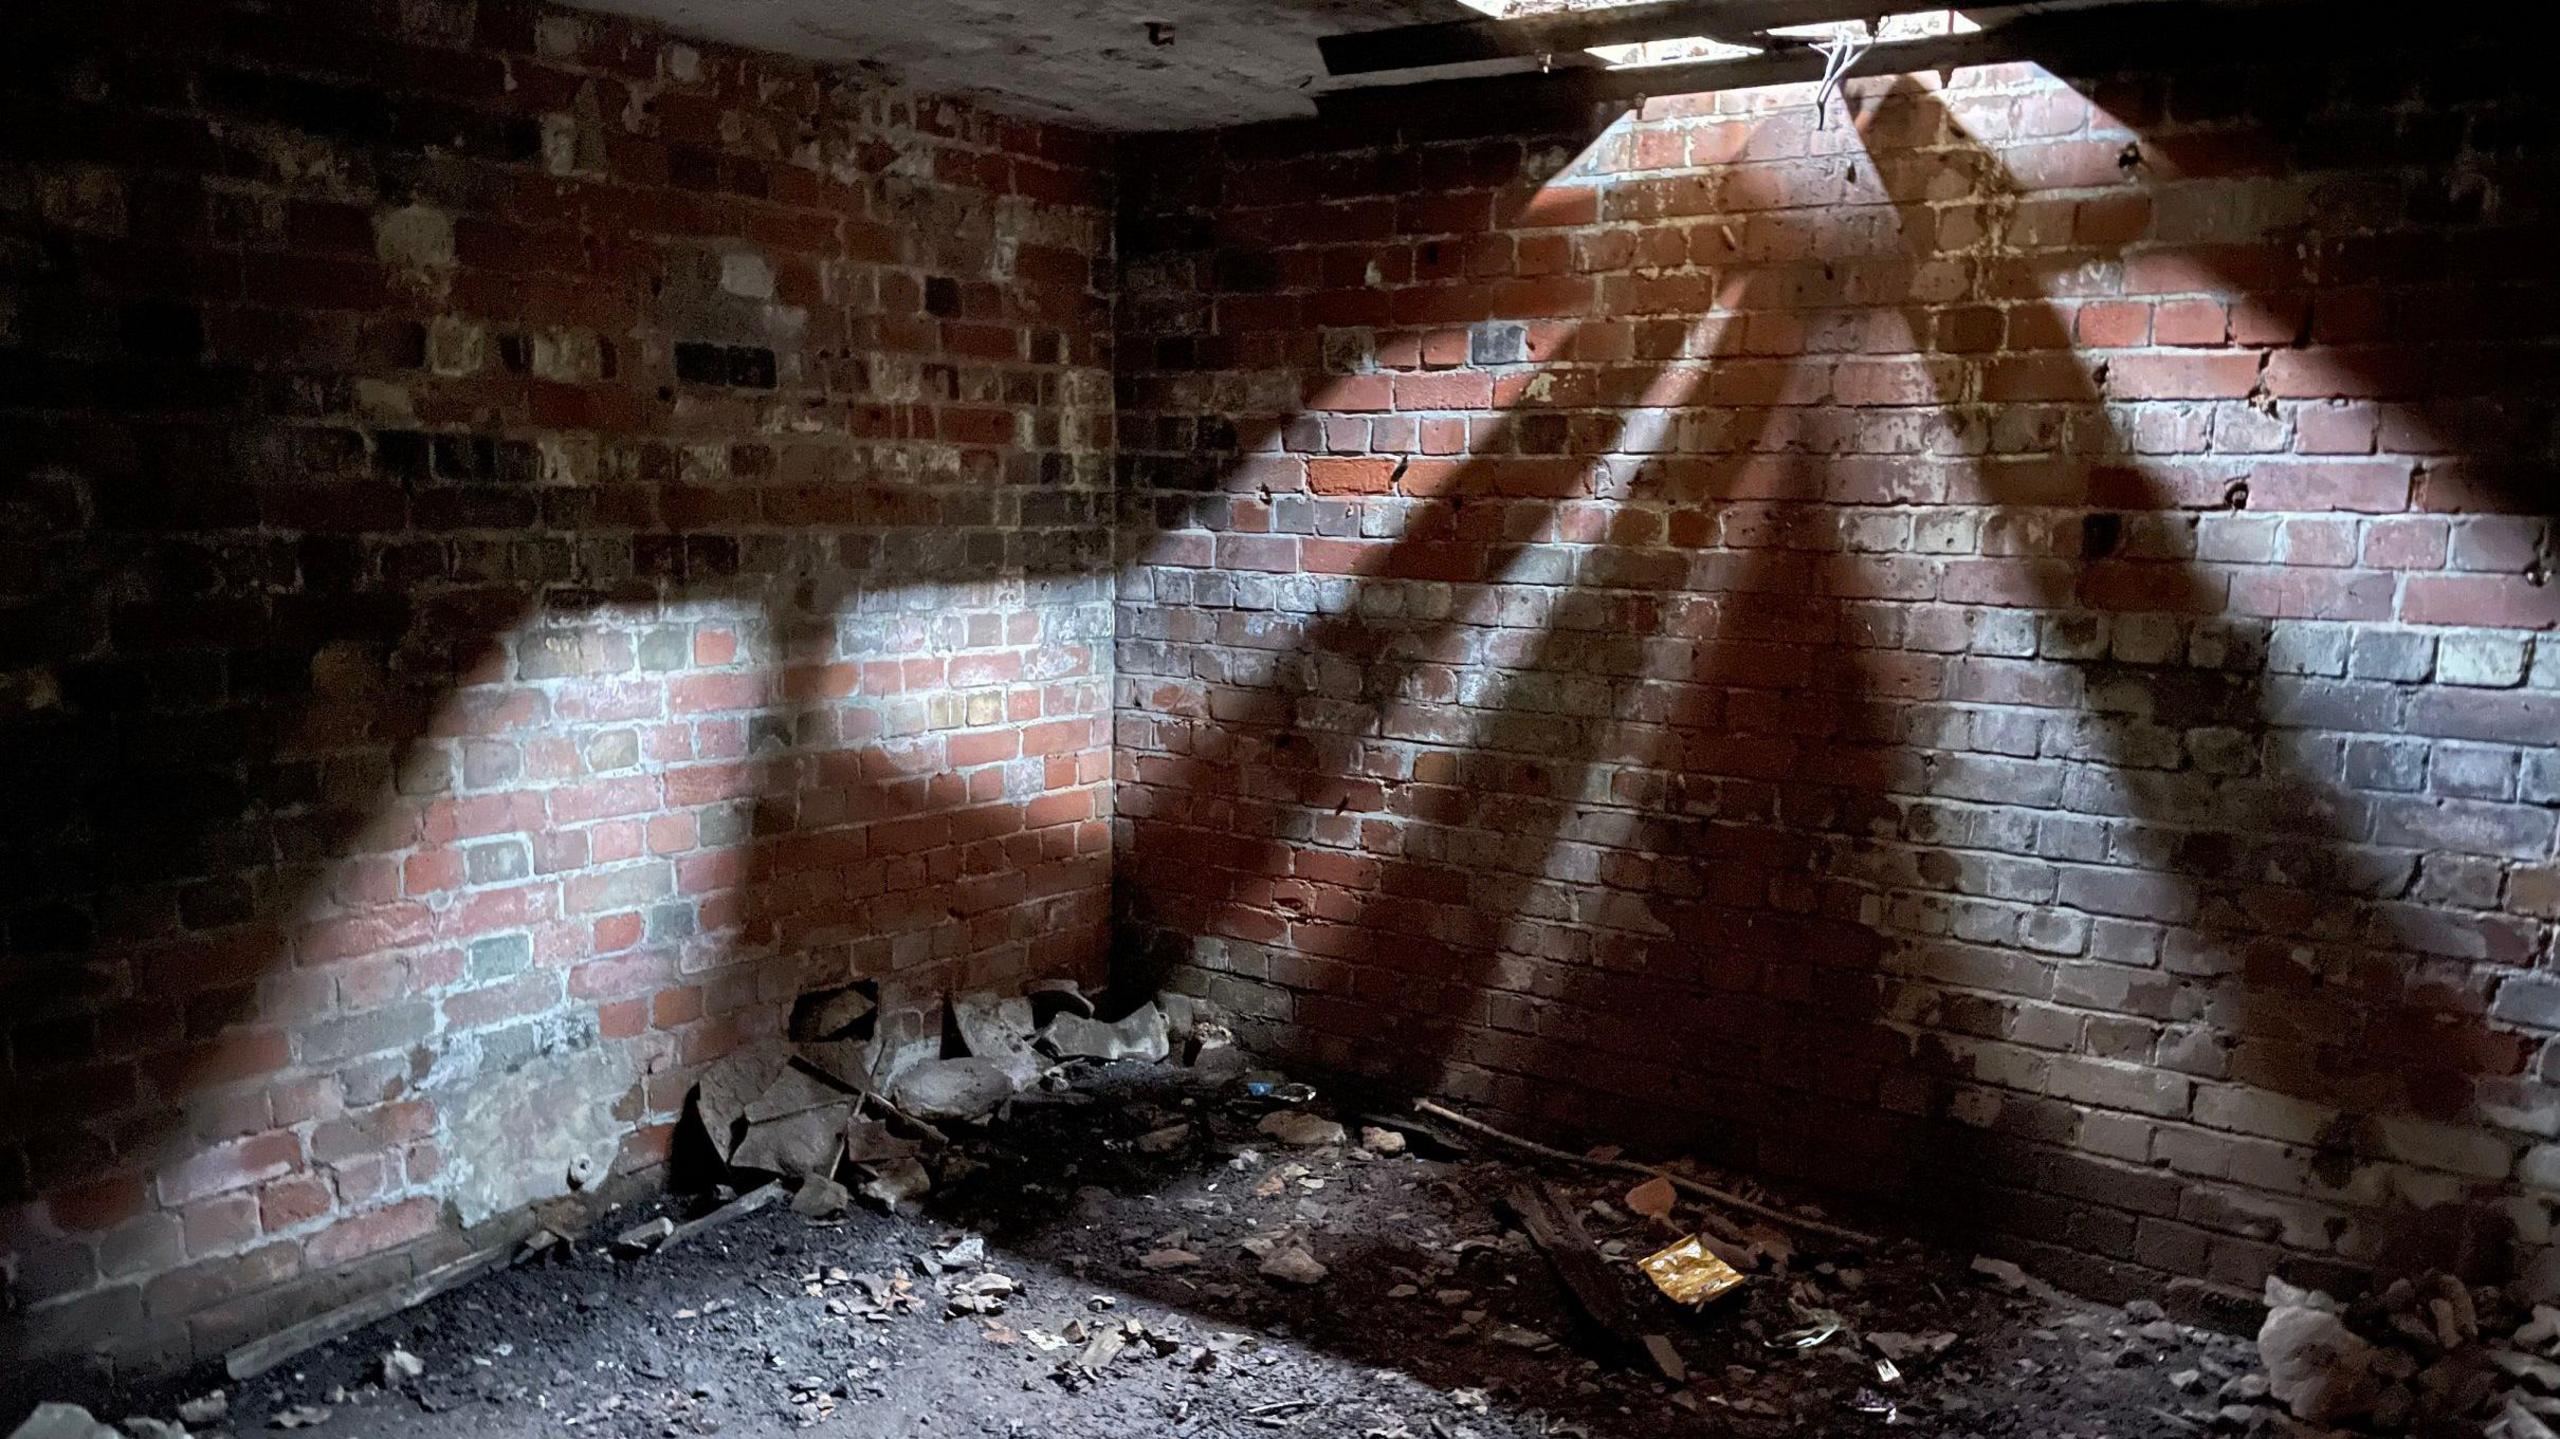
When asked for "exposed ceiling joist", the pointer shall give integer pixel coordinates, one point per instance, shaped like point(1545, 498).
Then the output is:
point(2089, 38)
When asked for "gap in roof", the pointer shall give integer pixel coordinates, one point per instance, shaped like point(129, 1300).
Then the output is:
point(1917, 25)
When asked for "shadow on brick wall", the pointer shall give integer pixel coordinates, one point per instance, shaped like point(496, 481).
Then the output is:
point(1668, 923)
point(353, 761)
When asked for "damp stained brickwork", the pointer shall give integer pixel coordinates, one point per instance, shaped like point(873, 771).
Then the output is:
point(507, 583)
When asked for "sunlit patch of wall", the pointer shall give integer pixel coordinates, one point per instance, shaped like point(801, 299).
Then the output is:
point(2055, 731)
point(531, 544)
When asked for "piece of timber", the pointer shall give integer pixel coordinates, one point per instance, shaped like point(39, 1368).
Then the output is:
point(260, 1355)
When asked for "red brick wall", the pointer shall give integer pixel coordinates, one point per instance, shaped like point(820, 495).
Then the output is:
point(1993, 655)
point(523, 546)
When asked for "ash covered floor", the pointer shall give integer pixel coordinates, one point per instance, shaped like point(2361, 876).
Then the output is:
point(1046, 1290)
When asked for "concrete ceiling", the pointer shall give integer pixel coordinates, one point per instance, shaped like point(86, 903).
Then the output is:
point(1085, 61)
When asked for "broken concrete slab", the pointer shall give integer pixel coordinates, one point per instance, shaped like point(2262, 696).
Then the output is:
point(997, 1028)
point(869, 1141)
point(848, 1062)
point(795, 1143)
point(1140, 1034)
point(794, 1091)
point(1053, 997)
point(726, 1088)
point(820, 1197)
point(833, 1014)
point(956, 1090)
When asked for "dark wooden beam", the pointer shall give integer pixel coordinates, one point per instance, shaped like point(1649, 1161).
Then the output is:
point(2087, 39)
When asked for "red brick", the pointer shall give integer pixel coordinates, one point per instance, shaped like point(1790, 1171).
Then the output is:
point(370, 1232)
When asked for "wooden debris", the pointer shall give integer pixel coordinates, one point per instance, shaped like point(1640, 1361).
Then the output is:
point(260, 1355)
point(744, 1204)
point(1558, 1232)
point(1842, 1233)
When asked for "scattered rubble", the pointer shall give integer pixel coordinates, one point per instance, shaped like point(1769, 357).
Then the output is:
point(1146, 1237)
point(2417, 1356)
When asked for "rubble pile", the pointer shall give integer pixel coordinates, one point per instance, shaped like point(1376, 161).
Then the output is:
point(844, 1115)
point(1163, 1234)
point(2419, 1356)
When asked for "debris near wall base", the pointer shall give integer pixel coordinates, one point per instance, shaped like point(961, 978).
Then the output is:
point(820, 1197)
point(1298, 1128)
point(259, 1355)
point(967, 1090)
point(1551, 1224)
point(2423, 1355)
point(1141, 1034)
point(1801, 1222)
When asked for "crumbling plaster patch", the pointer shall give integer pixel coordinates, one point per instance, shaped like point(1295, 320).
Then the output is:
point(1086, 61)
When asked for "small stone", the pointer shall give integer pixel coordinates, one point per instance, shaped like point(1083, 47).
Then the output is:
point(400, 1366)
point(1163, 1259)
point(205, 1409)
point(1381, 1141)
point(2243, 1389)
point(1292, 1264)
point(1297, 1127)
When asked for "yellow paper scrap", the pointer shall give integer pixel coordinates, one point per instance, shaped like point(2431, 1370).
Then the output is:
point(1690, 1273)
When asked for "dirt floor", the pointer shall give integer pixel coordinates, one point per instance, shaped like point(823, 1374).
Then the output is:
point(1435, 1315)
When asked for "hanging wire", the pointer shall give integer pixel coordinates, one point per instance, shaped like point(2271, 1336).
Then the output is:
point(1838, 53)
